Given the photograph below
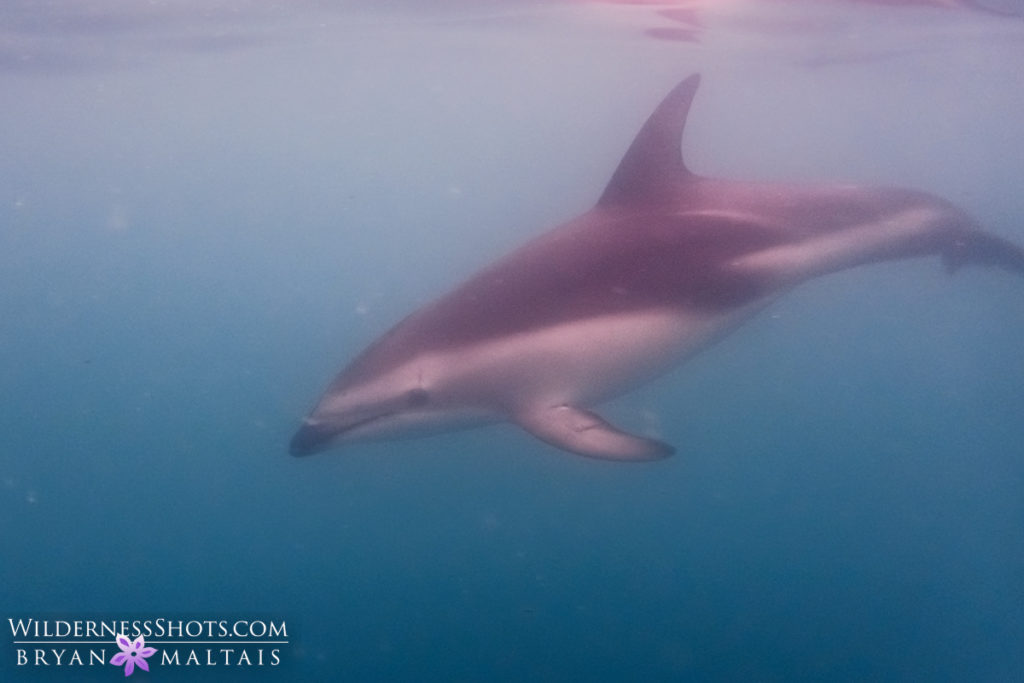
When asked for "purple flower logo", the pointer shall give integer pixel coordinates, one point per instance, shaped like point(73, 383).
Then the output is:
point(132, 654)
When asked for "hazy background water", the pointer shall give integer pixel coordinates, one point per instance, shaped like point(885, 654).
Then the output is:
point(206, 208)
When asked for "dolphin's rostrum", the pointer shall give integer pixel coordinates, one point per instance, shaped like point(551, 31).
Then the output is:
point(665, 264)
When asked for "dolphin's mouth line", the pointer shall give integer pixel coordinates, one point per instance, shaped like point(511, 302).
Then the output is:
point(363, 423)
point(315, 437)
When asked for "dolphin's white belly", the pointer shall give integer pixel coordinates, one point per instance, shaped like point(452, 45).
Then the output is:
point(580, 362)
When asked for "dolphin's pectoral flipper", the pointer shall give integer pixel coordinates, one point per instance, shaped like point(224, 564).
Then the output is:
point(983, 248)
point(587, 434)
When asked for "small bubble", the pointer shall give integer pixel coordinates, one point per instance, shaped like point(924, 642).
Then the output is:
point(489, 522)
point(118, 219)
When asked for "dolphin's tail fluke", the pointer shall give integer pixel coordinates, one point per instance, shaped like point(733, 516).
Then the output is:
point(978, 247)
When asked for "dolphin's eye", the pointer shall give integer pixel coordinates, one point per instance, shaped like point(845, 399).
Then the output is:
point(417, 397)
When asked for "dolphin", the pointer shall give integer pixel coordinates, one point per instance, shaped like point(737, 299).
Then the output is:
point(666, 264)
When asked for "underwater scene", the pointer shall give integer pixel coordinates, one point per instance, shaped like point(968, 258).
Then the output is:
point(512, 341)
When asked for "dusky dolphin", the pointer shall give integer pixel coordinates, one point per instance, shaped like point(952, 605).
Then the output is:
point(664, 265)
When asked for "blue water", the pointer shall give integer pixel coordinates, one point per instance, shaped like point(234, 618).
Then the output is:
point(207, 208)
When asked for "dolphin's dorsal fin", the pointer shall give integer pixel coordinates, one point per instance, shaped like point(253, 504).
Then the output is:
point(655, 159)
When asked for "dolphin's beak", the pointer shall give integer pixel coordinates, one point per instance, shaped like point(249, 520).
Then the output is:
point(311, 438)
point(315, 436)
